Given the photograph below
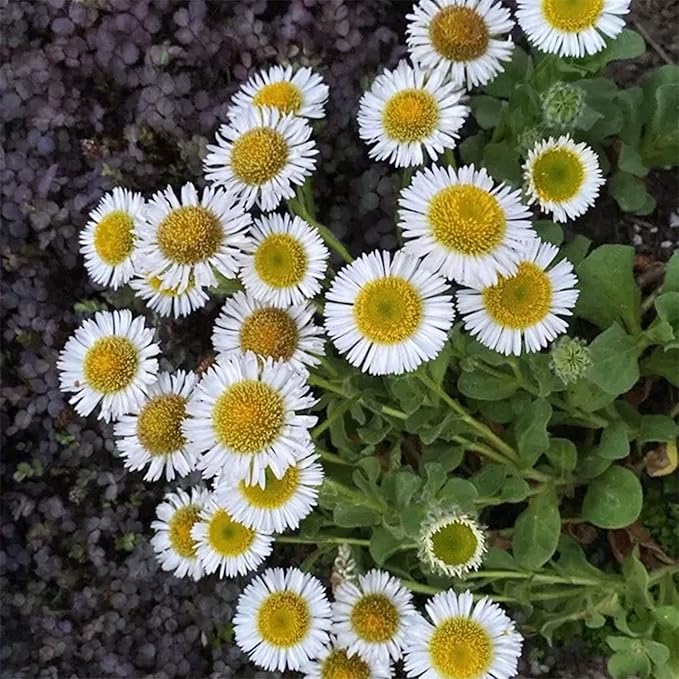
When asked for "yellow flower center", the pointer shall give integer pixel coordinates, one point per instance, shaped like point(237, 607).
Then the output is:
point(282, 95)
point(374, 618)
point(259, 155)
point(110, 364)
point(454, 544)
point(467, 219)
point(276, 492)
point(181, 524)
point(228, 537)
point(459, 33)
point(558, 175)
point(114, 237)
point(460, 649)
point(159, 426)
point(248, 416)
point(269, 332)
point(284, 619)
point(339, 665)
point(388, 310)
point(280, 260)
point(522, 300)
point(410, 115)
point(572, 16)
point(190, 234)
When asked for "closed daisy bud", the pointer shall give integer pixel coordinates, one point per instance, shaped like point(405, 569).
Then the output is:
point(570, 359)
point(522, 312)
point(571, 28)
point(451, 544)
point(462, 36)
point(226, 545)
point(175, 548)
point(563, 177)
point(465, 226)
point(372, 619)
point(282, 619)
point(300, 93)
point(109, 360)
point(388, 316)
point(410, 114)
point(463, 640)
point(287, 335)
point(262, 155)
point(153, 437)
point(337, 663)
point(562, 105)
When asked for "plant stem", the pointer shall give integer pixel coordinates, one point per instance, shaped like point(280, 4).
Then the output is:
point(322, 539)
point(333, 457)
point(420, 587)
point(537, 578)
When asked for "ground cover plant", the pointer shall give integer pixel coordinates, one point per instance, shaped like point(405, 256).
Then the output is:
point(456, 433)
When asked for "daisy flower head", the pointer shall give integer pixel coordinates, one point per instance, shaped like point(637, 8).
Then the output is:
point(186, 239)
point(168, 301)
point(388, 314)
point(410, 114)
point(372, 619)
point(172, 542)
point(153, 436)
point(244, 418)
point(462, 640)
point(571, 28)
point(300, 93)
point(280, 504)
point(225, 545)
point(282, 619)
point(522, 312)
point(464, 37)
point(109, 238)
point(262, 155)
point(462, 224)
point(337, 663)
point(109, 360)
point(563, 176)
point(451, 543)
point(284, 260)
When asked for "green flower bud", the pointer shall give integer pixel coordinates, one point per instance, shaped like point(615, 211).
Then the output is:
point(562, 105)
point(570, 359)
point(529, 138)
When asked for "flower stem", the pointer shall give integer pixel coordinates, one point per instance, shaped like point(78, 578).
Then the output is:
point(333, 457)
point(322, 539)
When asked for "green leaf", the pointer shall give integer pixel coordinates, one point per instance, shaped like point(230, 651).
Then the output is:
point(515, 72)
point(613, 500)
point(628, 45)
point(671, 282)
point(660, 141)
point(514, 489)
point(486, 110)
point(549, 231)
point(662, 363)
point(615, 363)
point(399, 488)
point(667, 617)
point(471, 149)
point(628, 191)
point(576, 249)
point(354, 516)
point(630, 161)
point(626, 664)
point(657, 652)
point(530, 430)
point(657, 428)
point(502, 163)
point(636, 583)
point(667, 306)
point(382, 545)
point(489, 479)
point(587, 396)
point(562, 454)
point(485, 387)
point(536, 532)
point(614, 444)
point(460, 492)
point(608, 289)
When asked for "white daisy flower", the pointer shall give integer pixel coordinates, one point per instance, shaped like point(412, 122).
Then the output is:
point(522, 312)
point(109, 238)
point(153, 437)
point(410, 114)
point(462, 640)
point(300, 93)
point(571, 29)
point(462, 36)
point(285, 260)
point(388, 315)
point(167, 301)
point(372, 619)
point(280, 504)
point(244, 418)
point(282, 619)
point(464, 226)
point(110, 361)
point(227, 546)
point(175, 549)
point(563, 177)
point(338, 663)
point(186, 240)
point(287, 335)
point(262, 155)
point(451, 543)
